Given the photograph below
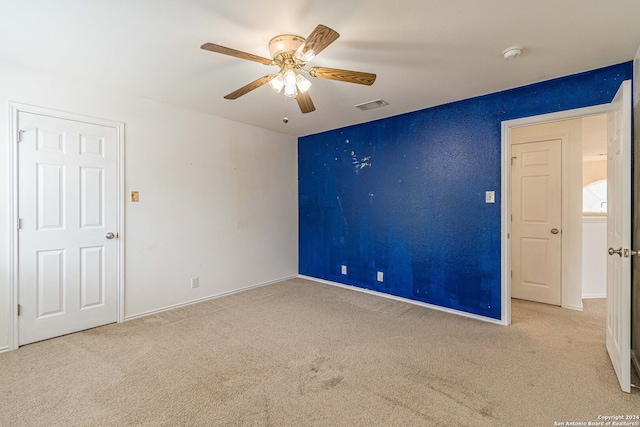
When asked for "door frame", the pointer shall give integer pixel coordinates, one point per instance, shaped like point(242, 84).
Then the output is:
point(505, 190)
point(14, 111)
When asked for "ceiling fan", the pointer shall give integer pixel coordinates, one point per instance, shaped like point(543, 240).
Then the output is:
point(291, 54)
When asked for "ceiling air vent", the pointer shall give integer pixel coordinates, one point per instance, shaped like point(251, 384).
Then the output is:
point(372, 104)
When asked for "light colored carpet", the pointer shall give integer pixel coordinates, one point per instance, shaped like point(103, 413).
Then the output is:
point(299, 353)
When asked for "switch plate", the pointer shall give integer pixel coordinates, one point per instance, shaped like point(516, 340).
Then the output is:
point(343, 269)
point(135, 196)
point(490, 197)
point(195, 282)
point(380, 276)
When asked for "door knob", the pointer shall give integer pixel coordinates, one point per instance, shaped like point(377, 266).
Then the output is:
point(110, 235)
point(615, 251)
point(554, 231)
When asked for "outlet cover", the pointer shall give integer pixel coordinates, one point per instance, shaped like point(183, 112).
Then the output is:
point(380, 276)
point(195, 282)
point(490, 197)
point(343, 269)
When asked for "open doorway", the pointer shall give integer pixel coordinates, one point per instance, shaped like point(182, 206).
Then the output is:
point(559, 211)
point(619, 185)
point(546, 213)
point(571, 228)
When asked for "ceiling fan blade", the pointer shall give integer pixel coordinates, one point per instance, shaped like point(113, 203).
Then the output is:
point(343, 75)
point(319, 38)
point(238, 54)
point(251, 86)
point(305, 103)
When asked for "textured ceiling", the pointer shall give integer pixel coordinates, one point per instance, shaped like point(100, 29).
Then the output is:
point(425, 52)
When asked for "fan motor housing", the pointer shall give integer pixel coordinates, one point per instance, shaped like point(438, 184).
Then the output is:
point(284, 44)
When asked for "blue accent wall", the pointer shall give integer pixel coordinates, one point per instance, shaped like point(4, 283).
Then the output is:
point(406, 195)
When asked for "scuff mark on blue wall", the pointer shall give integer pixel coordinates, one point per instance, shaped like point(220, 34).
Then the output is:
point(419, 215)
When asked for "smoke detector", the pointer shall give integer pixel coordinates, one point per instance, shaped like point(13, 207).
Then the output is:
point(511, 52)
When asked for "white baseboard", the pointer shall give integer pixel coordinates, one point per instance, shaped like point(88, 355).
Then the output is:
point(5, 349)
point(199, 300)
point(574, 307)
point(593, 296)
point(408, 301)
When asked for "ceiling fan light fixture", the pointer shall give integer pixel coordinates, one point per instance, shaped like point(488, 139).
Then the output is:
point(290, 91)
point(277, 83)
point(302, 83)
point(289, 78)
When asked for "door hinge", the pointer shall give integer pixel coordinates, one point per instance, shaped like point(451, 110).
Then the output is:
point(19, 310)
point(512, 159)
point(511, 273)
point(629, 252)
point(20, 132)
point(19, 223)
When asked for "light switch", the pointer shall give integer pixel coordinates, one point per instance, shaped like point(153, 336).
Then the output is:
point(490, 197)
point(135, 196)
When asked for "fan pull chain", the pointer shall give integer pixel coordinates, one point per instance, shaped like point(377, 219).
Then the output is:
point(285, 119)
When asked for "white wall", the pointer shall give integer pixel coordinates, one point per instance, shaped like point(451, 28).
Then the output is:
point(594, 257)
point(594, 227)
point(594, 170)
point(218, 199)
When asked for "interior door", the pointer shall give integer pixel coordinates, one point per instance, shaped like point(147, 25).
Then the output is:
point(618, 327)
point(536, 249)
point(67, 209)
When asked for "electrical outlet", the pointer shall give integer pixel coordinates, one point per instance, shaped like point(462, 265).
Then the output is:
point(195, 282)
point(343, 269)
point(380, 276)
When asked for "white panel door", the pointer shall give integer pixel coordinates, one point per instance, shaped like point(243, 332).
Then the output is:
point(536, 191)
point(619, 235)
point(67, 205)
